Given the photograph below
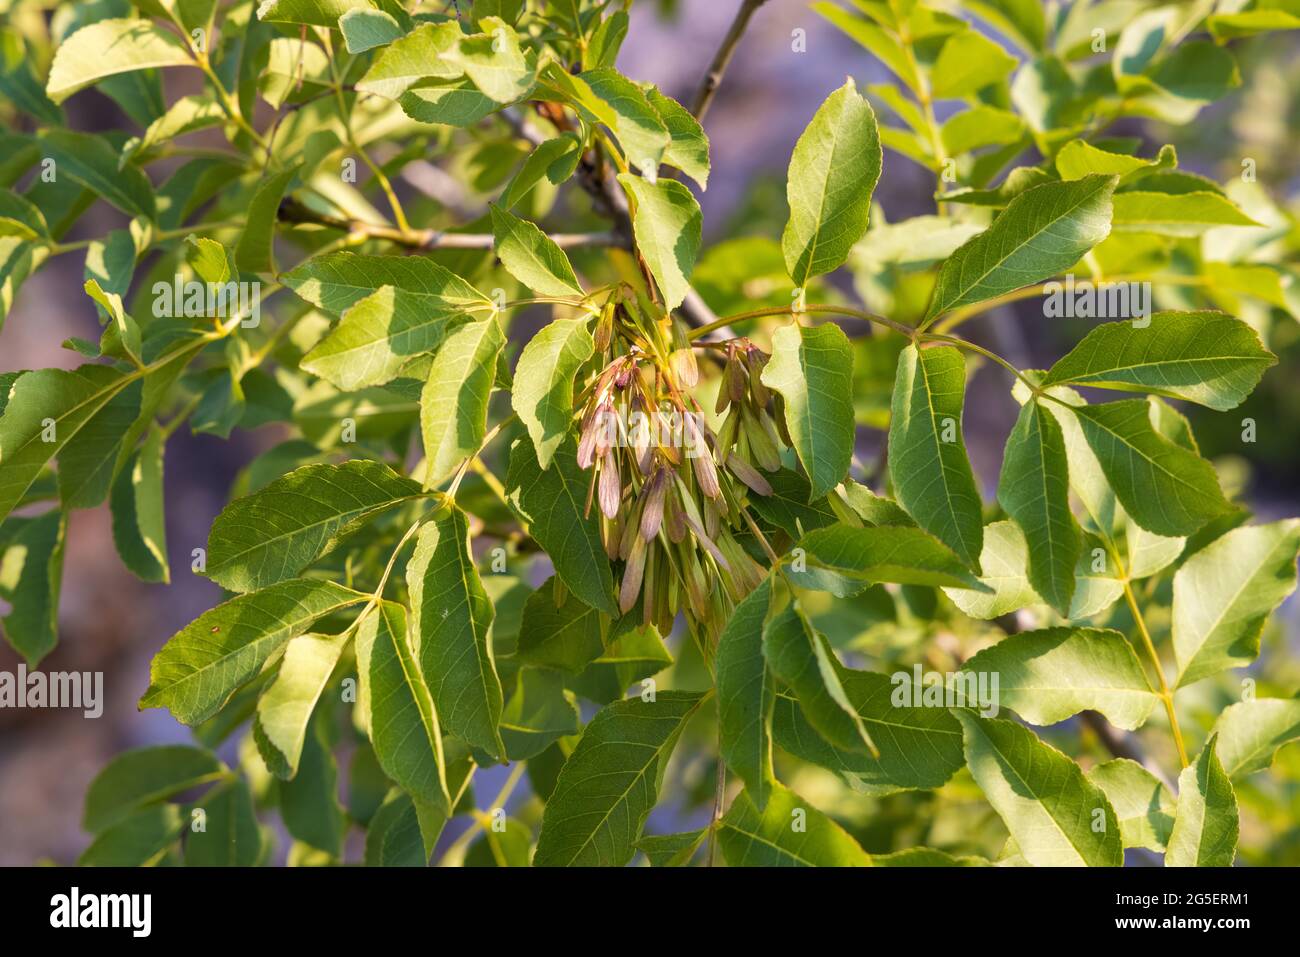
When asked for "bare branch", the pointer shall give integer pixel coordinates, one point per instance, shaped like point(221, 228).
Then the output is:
point(292, 211)
point(721, 59)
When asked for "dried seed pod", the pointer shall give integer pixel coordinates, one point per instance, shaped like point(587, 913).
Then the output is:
point(764, 449)
point(727, 434)
point(702, 461)
point(749, 475)
point(605, 326)
point(676, 522)
point(778, 410)
point(587, 442)
point(756, 359)
point(610, 492)
point(652, 511)
point(632, 574)
point(685, 368)
point(604, 419)
point(631, 530)
point(712, 518)
point(649, 584)
point(611, 532)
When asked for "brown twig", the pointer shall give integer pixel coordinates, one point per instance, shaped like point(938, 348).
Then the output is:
point(292, 211)
point(713, 78)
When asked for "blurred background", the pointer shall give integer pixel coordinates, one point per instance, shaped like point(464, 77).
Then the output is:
point(113, 623)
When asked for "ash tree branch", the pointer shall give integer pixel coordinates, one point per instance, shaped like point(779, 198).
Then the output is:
point(292, 211)
point(722, 59)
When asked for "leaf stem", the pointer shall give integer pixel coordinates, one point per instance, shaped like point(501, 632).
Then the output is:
point(1165, 694)
point(898, 327)
point(722, 59)
point(952, 320)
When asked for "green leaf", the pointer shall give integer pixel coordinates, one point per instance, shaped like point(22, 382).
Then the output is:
point(977, 128)
point(668, 226)
point(31, 574)
point(364, 29)
point(393, 838)
point(89, 460)
point(404, 726)
point(1049, 675)
point(634, 653)
point(379, 335)
point(553, 504)
point(920, 746)
point(1224, 594)
point(336, 281)
point(205, 662)
point(1004, 575)
point(255, 250)
point(46, 410)
point(540, 712)
point(137, 840)
point(1034, 488)
point(510, 847)
point(1205, 357)
point(1078, 158)
point(1143, 804)
point(532, 257)
point(611, 781)
point(309, 802)
point(1183, 214)
point(812, 368)
point(110, 47)
point(880, 42)
point(1042, 232)
point(833, 170)
point(568, 636)
point(1250, 733)
point(671, 850)
point(789, 832)
point(928, 467)
point(746, 695)
point(281, 529)
point(926, 857)
point(231, 836)
point(449, 102)
point(1164, 487)
point(844, 560)
point(90, 161)
point(640, 129)
point(1022, 21)
point(284, 709)
point(688, 148)
point(495, 61)
point(544, 381)
point(144, 776)
point(968, 62)
point(1205, 823)
point(1056, 816)
point(454, 400)
point(451, 619)
point(803, 659)
point(321, 13)
point(790, 506)
point(419, 55)
point(139, 529)
point(19, 217)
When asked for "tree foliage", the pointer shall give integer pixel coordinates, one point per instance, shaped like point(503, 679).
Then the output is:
point(641, 555)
